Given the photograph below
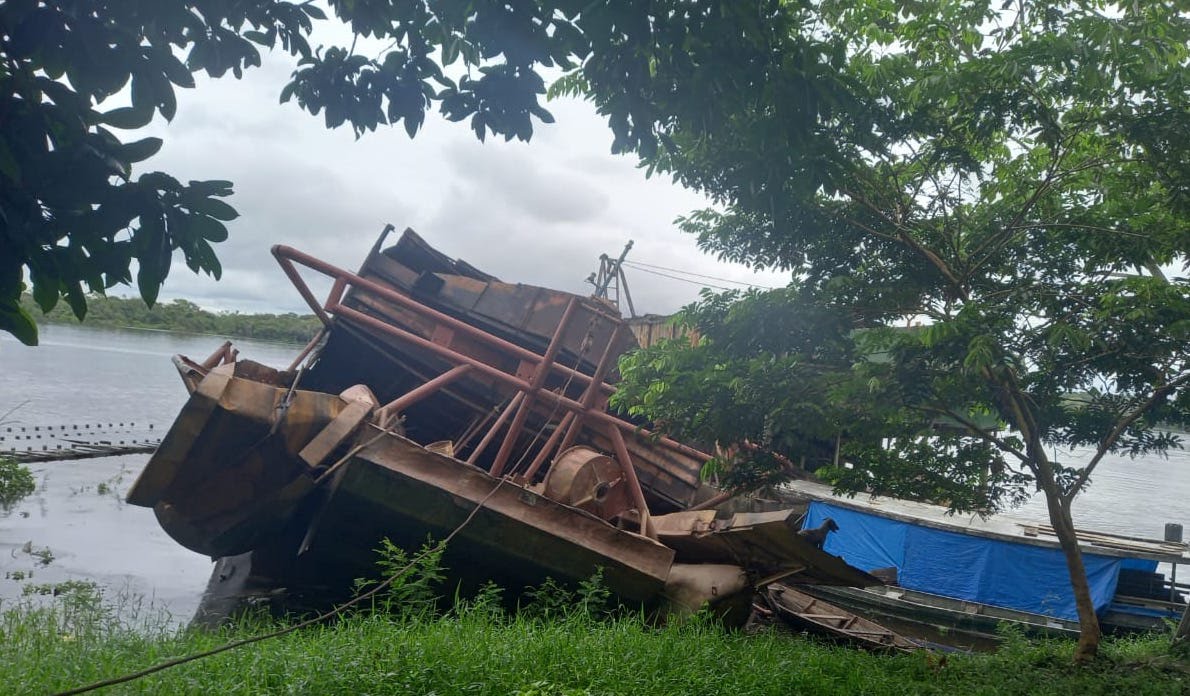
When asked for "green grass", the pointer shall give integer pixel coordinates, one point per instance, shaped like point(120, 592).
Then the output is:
point(478, 649)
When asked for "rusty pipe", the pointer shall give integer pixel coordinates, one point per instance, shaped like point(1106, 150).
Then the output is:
point(491, 433)
point(420, 392)
point(634, 489)
point(538, 379)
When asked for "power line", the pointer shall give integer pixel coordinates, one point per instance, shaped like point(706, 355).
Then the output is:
point(645, 267)
point(685, 280)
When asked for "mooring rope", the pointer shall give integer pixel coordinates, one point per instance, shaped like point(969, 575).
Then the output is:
point(289, 629)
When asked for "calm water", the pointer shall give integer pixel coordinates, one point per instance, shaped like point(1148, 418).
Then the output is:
point(78, 522)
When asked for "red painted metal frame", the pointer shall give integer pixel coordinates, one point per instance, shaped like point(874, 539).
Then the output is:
point(538, 380)
point(551, 445)
point(287, 256)
point(581, 412)
point(491, 433)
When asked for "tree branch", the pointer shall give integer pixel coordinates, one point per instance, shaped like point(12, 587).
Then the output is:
point(1114, 436)
point(905, 238)
point(1075, 225)
point(974, 429)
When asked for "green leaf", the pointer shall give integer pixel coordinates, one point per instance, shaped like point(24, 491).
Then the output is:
point(77, 300)
point(176, 70)
point(208, 260)
point(128, 118)
point(16, 321)
point(208, 228)
point(148, 282)
point(141, 150)
point(213, 207)
point(313, 11)
point(45, 289)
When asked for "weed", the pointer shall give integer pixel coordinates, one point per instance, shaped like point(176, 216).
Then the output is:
point(413, 588)
point(545, 688)
point(85, 588)
point(16, 483)
point(549, 600)
point(590, 600)
point(43, 555)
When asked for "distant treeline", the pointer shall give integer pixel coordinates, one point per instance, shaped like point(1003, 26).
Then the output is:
point(181, 315)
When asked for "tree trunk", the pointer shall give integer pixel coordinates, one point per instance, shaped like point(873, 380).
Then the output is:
point(1088, 622)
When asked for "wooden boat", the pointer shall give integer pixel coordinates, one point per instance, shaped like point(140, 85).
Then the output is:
point(968, 574)
point(808, 613)
point(427, 405)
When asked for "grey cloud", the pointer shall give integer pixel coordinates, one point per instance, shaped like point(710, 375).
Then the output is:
point(533, 186)
point(540, 213)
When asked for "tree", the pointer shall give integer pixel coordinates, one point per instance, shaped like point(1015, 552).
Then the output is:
point(1015, 179)
point(71, 210)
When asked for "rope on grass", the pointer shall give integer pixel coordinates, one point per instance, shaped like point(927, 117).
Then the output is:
point(289, 629)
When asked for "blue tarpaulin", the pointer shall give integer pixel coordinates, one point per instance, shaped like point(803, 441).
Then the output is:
point(964, 566)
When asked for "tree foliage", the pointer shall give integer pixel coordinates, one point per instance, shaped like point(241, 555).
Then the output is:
point(76, 218)
point(71, 209)
point(1015, 178)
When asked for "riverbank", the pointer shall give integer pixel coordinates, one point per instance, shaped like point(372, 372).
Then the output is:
point(478, 650)
point(181, 316)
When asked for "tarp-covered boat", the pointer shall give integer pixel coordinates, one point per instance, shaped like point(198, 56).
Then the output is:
point(967, 574)
point(435, 396)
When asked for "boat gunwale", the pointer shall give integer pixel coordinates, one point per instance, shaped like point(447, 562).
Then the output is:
point(1128, 547)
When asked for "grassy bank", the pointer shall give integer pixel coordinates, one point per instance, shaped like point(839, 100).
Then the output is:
point(481, 650)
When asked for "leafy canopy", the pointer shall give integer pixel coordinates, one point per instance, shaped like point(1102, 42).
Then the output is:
point(79, 77)
point(1015, 179)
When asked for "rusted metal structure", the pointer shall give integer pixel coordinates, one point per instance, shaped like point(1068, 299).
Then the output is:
point(433, 390)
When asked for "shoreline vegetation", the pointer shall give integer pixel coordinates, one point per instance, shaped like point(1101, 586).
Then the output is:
point(183, 316)
point(477, 647)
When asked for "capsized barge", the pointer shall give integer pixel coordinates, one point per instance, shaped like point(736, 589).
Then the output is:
point(436, 395)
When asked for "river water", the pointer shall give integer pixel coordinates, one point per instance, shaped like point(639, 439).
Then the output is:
point(77, 527)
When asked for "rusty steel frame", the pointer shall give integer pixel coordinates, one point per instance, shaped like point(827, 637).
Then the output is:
point(549, 446)
point(583, 411)
point(492, 431)
point(535, 383)
point(286, 256)
point(591, 394)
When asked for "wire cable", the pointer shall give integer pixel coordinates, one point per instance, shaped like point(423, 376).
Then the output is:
point(684, 280)
point(640, 266)
point(288, 629)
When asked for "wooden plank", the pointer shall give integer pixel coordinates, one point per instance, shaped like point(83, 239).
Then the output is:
point(335, 433)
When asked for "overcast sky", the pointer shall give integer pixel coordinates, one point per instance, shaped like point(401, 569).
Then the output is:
point(538, 213)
